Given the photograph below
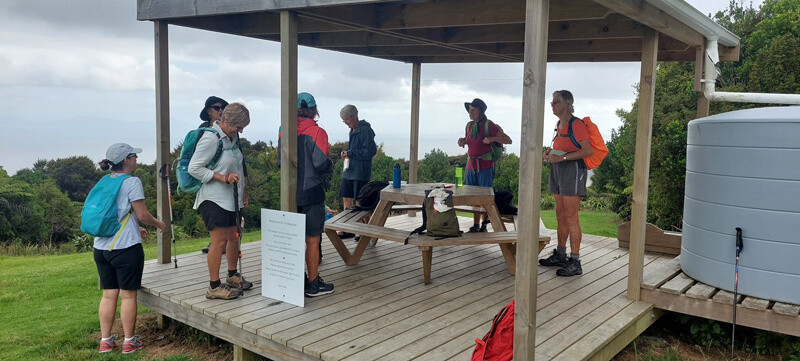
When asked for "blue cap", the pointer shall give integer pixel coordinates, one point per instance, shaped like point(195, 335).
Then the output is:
point(307, 98)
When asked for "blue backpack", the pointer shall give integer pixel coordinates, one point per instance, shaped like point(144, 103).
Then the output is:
point(99, 213)
point(186, 182)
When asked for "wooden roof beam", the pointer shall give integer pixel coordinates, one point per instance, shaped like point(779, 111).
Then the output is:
point(337, 21)
point(654, 18)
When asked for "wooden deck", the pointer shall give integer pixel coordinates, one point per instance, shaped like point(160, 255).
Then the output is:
point(381, 309)
point(670, 289)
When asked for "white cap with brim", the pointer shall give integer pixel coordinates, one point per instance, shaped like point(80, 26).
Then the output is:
point(118, 152)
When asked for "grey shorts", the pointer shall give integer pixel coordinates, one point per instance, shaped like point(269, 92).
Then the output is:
point(568, 178)
point(315, 218)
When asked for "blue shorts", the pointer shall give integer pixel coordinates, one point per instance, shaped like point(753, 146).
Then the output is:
point(484, 178)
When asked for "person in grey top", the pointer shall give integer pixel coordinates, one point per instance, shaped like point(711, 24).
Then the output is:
point(215, 198)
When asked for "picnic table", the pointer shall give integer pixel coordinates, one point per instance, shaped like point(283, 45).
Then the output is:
point(469, 198)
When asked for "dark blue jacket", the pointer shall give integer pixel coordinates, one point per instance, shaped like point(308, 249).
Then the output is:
point(361, 150)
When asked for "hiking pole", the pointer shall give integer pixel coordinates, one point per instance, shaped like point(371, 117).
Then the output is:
point(739, 246)
point(238, 227)
point(164, 173)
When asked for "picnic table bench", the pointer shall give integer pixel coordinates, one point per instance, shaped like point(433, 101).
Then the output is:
point(351, 221)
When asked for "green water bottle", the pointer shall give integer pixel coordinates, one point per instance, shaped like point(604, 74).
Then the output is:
point(459, 175)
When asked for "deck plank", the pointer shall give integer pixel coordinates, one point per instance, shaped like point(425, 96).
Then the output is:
point(655, 279)
point(786, 309)
point(755, 303)
point(701, 291)
point(381, 309)
point(678, 284)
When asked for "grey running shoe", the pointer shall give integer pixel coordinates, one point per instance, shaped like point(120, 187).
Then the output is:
point(555, 259)
point(133, 345)
point(572, 268)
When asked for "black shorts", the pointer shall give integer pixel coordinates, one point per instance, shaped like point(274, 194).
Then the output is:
point(568, 178)
point(216, 217)
point(120, 268)
point(350, 188)
point(315, 218)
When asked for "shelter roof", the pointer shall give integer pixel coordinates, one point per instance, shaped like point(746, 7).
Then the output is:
point(459, 31)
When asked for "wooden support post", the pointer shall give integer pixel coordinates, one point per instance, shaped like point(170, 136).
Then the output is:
point(641, 170)
point(699, 72)
point(242, 354)
point(163, 321)
point(413, 156)
point(413, 163)
point(288, 111)
point(530, 175)
point(162, 136)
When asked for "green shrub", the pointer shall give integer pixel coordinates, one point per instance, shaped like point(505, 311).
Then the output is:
point(548, 201)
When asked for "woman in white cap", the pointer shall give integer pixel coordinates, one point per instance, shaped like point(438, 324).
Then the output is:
point(120, 258)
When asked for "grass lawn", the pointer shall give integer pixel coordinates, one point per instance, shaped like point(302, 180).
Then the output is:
point(49, 303)
point(592, 222)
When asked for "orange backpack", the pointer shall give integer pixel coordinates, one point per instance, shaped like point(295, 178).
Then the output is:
point(599, 149)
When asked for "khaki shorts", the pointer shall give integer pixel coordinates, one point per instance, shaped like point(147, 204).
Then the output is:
point(568, 178)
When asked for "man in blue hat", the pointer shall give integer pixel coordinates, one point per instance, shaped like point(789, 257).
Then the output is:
point(479, 135)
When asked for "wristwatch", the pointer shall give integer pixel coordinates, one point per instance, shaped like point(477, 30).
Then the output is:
point(565, 158)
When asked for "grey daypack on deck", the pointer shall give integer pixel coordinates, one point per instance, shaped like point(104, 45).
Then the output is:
point(439, 224)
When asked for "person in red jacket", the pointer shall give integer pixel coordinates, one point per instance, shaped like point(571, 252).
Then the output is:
point(314, 171)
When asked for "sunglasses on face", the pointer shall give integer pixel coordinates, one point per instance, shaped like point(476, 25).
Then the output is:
point(554, 102)
point(132, 155)
point(217, 107)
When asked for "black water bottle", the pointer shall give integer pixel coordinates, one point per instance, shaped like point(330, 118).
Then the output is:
point(396, 179)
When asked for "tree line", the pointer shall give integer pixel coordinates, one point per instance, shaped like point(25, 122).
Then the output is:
point(41, 205)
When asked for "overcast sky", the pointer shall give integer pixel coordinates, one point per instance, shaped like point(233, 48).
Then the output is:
point(78, 76)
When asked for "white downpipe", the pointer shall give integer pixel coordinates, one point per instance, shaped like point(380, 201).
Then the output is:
point(712, 58)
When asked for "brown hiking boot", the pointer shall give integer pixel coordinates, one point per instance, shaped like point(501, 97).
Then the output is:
point(223, 292)
point(237, 281)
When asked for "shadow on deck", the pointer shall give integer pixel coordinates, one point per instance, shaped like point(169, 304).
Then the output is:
point(381, 309)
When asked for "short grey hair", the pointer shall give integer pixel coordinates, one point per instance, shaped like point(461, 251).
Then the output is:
point(567, 97)
point(348, 111)
point(236, 114)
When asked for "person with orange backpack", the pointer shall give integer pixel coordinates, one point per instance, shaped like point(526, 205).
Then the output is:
point(574, 148)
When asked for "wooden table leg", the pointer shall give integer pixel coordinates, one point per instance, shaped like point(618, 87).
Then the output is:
point(378, 218)
point(333, 236)
point(508, 254)
point(427, 260)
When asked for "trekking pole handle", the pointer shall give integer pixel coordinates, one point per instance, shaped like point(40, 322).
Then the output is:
point(739, 241)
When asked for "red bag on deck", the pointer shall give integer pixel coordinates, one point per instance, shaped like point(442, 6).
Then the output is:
point(498, 344)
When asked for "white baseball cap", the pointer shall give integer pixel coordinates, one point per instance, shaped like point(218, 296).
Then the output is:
point(119, 151)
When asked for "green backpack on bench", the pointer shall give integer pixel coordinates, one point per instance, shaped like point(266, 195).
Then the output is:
point(438, 224)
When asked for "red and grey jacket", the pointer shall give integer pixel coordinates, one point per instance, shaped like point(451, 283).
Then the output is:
point(314, 168)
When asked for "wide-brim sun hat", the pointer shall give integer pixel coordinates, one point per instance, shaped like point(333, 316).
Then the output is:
point(117, 152)
point(209, 102)
point(477, 103)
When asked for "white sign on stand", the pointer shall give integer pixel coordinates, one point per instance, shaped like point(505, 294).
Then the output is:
point(283, 236)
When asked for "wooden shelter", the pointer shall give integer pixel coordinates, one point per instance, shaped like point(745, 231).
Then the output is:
point(534, 32)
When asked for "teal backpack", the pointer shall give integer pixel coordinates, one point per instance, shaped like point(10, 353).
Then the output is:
point(186, 182)
point(99, 213)
point(497, 148)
